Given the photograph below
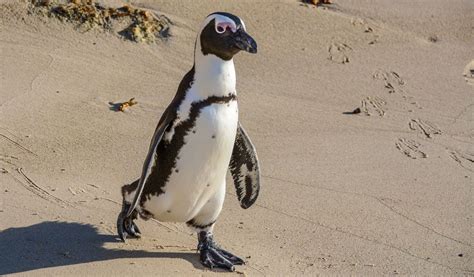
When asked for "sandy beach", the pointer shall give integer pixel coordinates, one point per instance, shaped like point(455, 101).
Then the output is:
point(362, 113)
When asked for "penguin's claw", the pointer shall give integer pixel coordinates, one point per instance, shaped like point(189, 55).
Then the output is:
point(231, 257)
point(213, 256)
point(127, 228)
point(125, 225)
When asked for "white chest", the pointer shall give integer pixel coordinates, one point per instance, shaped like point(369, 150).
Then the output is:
point(202, 164)
point(203, 160)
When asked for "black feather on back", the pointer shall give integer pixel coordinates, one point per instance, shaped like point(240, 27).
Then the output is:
point(166, 162)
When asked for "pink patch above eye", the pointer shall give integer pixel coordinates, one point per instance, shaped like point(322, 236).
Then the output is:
point(223, 26)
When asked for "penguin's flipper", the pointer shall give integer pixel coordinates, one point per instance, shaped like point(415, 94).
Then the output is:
point(166, 119)
point(245, 169)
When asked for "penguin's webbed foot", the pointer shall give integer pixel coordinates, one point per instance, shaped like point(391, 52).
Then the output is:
point(213, 256)
point(125, 225)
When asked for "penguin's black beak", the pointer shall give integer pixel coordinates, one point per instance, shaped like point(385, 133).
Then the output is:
point(244, 41)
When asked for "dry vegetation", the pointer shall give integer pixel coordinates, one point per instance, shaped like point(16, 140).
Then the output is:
point(317, 2)
point(141, 25)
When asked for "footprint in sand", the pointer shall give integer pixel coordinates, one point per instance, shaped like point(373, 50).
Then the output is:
point(464, 159)
point(363, 25)
point(373, 105)
point(392, 80)
point(8, 159)
point(410, 148)
point(338, 52)
point(424, 127)
point(469, 73)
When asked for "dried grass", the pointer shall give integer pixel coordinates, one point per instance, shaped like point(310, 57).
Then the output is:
point(143, 25)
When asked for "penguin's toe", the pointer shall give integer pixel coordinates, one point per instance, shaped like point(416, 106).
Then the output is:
point(211, 258)
point(127, 228)
point(132, 229)
point(231, 257)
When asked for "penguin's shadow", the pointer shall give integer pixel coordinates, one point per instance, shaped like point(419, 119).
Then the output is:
point(52, 244)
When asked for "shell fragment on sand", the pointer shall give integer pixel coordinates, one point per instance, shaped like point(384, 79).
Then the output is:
point(125, 105)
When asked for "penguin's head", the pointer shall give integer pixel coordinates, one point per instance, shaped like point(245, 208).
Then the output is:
point(223, 34)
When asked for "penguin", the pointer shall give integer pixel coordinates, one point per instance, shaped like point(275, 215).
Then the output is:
point(197, 140)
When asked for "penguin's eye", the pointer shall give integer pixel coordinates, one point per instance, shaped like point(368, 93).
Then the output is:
point(224, 26)
point(220, 29)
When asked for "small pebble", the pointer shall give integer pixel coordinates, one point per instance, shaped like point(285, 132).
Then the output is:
point(433, 38)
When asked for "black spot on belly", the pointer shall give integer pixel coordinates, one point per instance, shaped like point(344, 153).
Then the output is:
point(213, 136)
point(176, 170)
point(167, 151)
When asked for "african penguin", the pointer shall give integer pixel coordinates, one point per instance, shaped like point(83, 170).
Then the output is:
point(197, 139)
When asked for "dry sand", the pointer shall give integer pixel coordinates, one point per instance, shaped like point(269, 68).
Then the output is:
point(389, 193)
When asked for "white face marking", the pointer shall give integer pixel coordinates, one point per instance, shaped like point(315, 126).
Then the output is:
point(222, 21)
point(243, 25)
point(221, 27)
